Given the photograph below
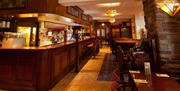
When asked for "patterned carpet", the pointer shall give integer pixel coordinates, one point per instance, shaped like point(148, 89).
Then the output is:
point(107, 68)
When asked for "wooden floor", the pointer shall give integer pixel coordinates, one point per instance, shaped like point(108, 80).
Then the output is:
point(86, 79)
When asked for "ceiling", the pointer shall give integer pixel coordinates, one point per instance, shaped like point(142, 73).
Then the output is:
point(126, 8)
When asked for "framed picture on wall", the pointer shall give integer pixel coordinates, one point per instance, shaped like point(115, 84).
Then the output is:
point(7, 4)
point(84, 17)
point(72, 10)
point(90, 18)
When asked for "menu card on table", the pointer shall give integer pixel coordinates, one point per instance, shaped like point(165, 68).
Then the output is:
point(147, 68)
point(162, 75)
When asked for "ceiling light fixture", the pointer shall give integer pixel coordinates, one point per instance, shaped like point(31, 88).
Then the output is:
point(114, 4)
point(111, 13)
point(112, 20)
point(171, 7)
point(102, 24)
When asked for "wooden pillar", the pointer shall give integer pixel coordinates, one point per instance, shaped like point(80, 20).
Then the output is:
point(77, 51)
point(37, 34)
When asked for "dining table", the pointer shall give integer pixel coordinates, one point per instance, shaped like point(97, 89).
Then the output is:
point(124, 43)
point(154, 81)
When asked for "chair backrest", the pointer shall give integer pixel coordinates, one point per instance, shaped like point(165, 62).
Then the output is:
point(122, 81)
point(116, 74)
point(119, 55)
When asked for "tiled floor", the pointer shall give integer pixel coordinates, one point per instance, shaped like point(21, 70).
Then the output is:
point(86, 79)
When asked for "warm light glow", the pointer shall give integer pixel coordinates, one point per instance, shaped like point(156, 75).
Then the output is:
point(171, 7)
point(56, 19)
point(28, 15)
point(26, 31)
point(134, 71)
point(102, 24)
point(140, 81)
point(110, 4)
point(162, 75)
point(111, 13)
point(112, 20)
point(167, 10)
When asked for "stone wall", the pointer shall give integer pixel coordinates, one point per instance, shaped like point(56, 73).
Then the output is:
point(165, 29)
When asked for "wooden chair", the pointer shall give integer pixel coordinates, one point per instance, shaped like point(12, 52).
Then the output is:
point(122, 81)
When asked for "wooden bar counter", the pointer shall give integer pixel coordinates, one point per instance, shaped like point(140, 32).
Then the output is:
point(37, 68)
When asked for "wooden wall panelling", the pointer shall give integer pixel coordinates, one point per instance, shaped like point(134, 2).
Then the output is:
point(59, 64)
point(25, 67)
point(19, 73)
point(61, 10)
point(6, 69)
point(35, 70)
point(65, 61)
point(52, 6)
point(32, 6)
point(56, 73)
point(35, 6)
point(26, 71)
point(42, 71)
point(72, 57)
point(44, 6)
point(80, 51)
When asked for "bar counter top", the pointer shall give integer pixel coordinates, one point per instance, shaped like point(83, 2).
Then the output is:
point(46, 47)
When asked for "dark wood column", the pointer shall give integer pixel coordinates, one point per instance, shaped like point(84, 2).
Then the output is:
point(77, 51)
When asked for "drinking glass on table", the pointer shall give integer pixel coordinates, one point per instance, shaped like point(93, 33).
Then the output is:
point(126, 77)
